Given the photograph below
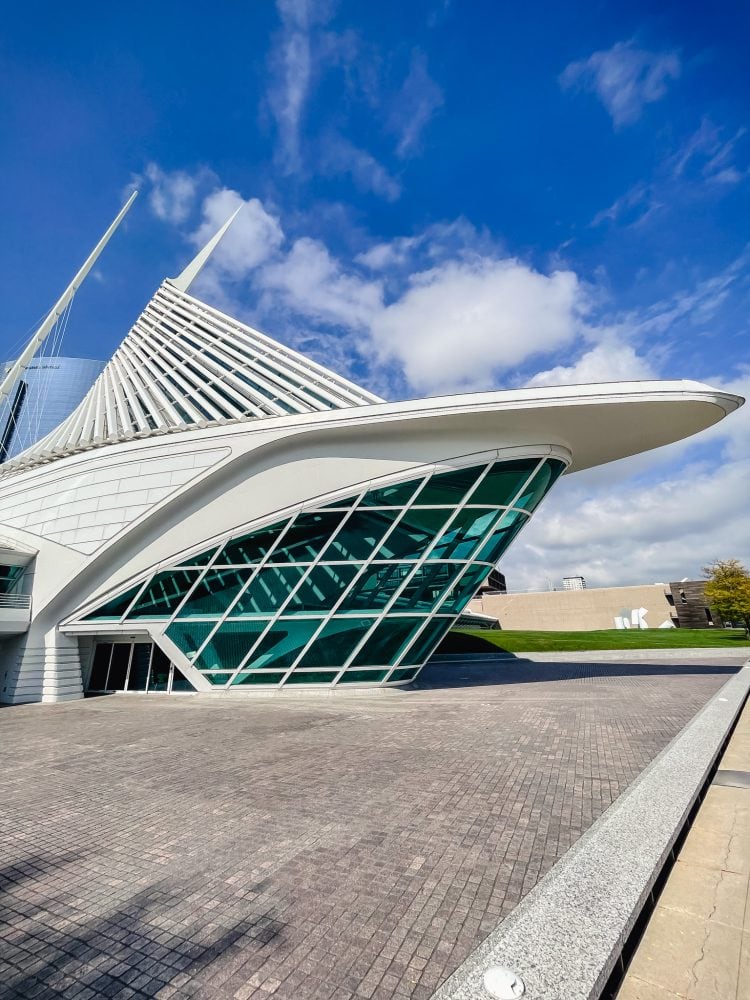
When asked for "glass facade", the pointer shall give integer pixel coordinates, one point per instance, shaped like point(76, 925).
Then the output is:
point(134, 666)
point(360, 590)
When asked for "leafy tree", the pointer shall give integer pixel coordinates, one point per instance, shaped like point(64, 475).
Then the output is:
point(728, 590)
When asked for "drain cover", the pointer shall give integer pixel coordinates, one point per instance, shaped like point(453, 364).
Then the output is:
point(737, 779)
point(503, 984)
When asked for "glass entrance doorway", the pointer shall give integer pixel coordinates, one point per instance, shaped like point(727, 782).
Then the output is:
point(134, 666)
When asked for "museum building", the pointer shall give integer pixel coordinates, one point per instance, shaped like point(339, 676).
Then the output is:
point(221, 514)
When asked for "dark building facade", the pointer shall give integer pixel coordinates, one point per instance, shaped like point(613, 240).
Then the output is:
point(689, 606)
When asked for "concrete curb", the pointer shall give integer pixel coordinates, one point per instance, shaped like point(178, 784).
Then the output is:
point(600, 655)
point(565, 937)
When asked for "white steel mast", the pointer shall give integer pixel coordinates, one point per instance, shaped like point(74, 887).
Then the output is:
point(18, 367)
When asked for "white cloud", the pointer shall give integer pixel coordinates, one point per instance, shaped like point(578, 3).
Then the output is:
point(624, 78)
point(253, 237)
point(417, 102)
point(339, 156)
point(311, 282)
point(608, 361)
point(172, 194)
point(460, 323)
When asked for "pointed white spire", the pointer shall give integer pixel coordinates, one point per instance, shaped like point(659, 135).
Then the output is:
point(196, 265)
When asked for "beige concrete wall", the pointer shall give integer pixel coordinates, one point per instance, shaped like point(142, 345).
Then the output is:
point(574, 610)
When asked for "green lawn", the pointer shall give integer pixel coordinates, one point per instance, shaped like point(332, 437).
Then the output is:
point(487, 640)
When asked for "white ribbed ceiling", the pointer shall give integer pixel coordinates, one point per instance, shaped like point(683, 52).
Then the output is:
point(184, 363)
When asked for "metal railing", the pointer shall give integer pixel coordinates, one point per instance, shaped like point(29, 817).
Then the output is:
point(15, 600)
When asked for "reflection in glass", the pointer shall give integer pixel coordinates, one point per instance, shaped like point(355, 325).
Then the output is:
point(163, 594)
point(413, 533)
point(449, 487)
point(335, 643)
point(280, 647)
point(268, 590)
point(464, 533)
point(501, 484)
point(250, 548)
point(388, 640)
point(214, 593)
point(229, 646)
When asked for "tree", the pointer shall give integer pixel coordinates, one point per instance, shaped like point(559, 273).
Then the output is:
point(728, 591)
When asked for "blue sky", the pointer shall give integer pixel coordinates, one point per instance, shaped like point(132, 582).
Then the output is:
point(439, 197)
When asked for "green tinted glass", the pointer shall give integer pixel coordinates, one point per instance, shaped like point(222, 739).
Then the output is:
point(113, 610)
point(375, 587)
point(503, 482)
point(189, 636)
point(359, 536)
point(164, 593)
point(257, 678)
point(449, 487)
point(502, 535)
point(230, 644)
point(387, 642)
point(279, 648)
point(250, 548)
point(336, 642)
point(197, 559)
point(307, 536)
point(215, 593)
point(346, 502)
point(540, 484)
point(397, 495)
point(311, 677)
point(402, 675)
point(427, 640)
point(321, 589)
point(464, 590)
point(362, 676)
point(464, 533)
point(180, 681)
point(413, 534)
point(268, 590)
point(424, 589)
point(218, 679)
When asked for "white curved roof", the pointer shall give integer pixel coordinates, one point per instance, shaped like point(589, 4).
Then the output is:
point(185, 364)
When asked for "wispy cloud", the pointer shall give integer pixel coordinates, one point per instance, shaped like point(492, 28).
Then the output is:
point(418, 100)
point(339, 156)
point(171, 195)
point(624, 78)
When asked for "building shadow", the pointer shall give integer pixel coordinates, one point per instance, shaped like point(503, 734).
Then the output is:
point(509, 669)
point(61, 942)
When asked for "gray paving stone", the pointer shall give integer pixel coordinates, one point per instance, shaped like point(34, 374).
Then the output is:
point(334, 847)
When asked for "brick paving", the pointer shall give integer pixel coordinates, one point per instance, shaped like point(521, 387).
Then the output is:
point(352, 848)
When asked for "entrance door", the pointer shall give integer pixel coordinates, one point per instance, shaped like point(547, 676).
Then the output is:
point(134, 666)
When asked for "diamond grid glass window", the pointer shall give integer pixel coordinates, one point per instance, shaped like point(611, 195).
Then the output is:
point(266, 620)
point(164, 593)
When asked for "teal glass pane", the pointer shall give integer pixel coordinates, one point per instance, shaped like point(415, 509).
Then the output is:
point(449, 487)
point(312, 677)
point(359, 536)
point(464, 533)
point(230, 645)
point(268, 591)
point(218, 679)
point(164, 593)
point(215, 593)
point(464, 590)
point(180, 681)
point(250, 548)
point(346, 502)
point(403, 675)
point(307, 536)
point(242, 680)
point(362, 676)
point(321, 589)
point(198, 559)
point(503, 481)
point(336, 642)
point(376, 586)
point(387, 642)
point(426, 642)
point(397, 495)
point(502, 535)
point(413, 533)
point(9, 577)
point(114, 609)
point(540, 484)
point(189, 636)
point(425, 588)
point(280, 647)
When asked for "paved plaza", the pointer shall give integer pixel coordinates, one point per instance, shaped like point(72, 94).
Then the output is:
point(312, 847)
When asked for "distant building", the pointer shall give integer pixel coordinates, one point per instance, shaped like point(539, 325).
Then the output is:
point(49, 391)
point(655, 605)
point(574, 583)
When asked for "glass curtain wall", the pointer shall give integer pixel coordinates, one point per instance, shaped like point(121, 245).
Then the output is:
point(134, 666)
point(356, 591)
